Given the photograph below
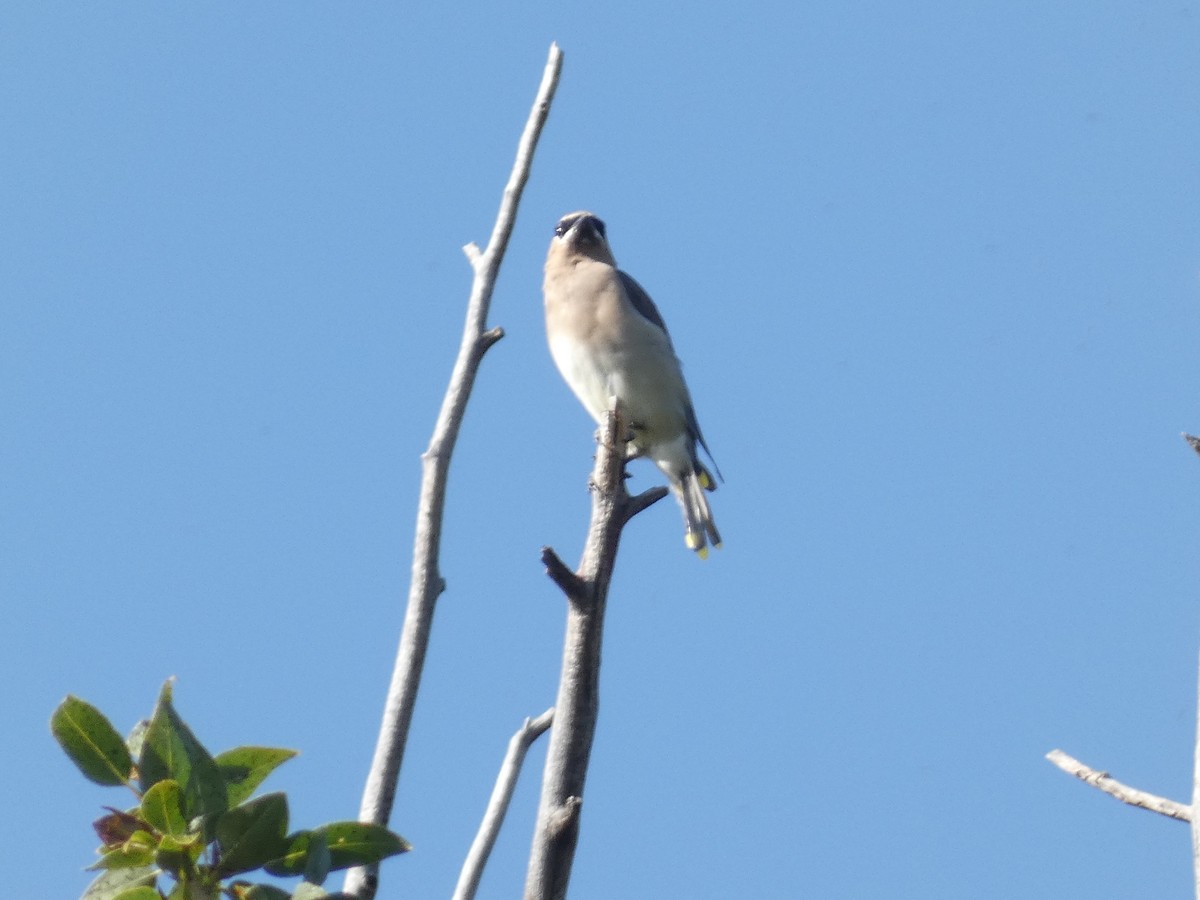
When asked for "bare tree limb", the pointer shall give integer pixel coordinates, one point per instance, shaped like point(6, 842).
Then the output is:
point(641, 501)
point(1196, 791)
point(1122, 792)
point(493, 817)
point(568, 582)
point(557, 831)
point(1135, 797)
point(427, 583)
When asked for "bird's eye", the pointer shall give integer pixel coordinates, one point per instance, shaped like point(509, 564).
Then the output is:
point(600, 227)
point(564, 225)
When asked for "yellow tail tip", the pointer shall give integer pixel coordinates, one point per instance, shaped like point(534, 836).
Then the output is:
point(702, 553)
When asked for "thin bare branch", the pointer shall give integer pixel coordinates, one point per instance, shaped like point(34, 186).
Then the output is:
point(1196, 783)
point(568, 582)
point(644, 499)
point(1122, 792)
point(493, 818)
point(427, 583)
point(557, 831)
point(491, 336)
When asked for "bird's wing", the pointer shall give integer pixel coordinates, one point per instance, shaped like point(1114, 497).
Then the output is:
point(694, 428)
point(642, 303)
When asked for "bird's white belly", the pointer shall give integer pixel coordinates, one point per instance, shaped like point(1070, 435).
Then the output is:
point(649, 397)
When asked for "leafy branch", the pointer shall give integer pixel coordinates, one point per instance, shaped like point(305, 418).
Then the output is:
point(195, 823)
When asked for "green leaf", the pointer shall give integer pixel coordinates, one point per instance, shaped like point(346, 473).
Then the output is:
point(349, 843)
point(359, 844)
point(195, 891)
point(316, 866)
point(294, 857)
point(109, 884)
point(252, 834)
point(178, 857)
point(92, 743)
point(137, 734)
point(136, 852)
point(138, 893)
point(171, 751)
point(162, 808)
point(245, 768)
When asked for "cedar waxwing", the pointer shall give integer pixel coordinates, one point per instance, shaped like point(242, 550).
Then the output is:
point(608, 340)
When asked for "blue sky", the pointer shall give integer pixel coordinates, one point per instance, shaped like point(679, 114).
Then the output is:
point(932, 268)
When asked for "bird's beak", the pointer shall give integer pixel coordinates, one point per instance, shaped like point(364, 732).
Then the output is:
point(585, 232)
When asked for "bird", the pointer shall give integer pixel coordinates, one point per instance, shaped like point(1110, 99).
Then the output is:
point(609, 341)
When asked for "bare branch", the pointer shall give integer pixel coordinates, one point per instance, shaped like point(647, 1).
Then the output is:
point(1122, 792)
point(557, 831)
point(568, 582)
point(506, 782)
point(427, 583)
point(489, 337)
point(643, 500)
point(1196, 782)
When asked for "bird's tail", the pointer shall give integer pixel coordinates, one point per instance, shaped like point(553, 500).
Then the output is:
point(701, 530)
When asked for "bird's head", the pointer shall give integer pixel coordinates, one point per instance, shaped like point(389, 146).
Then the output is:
point(582, 233)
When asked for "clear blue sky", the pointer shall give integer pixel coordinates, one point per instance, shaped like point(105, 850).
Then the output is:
point(933, 269)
